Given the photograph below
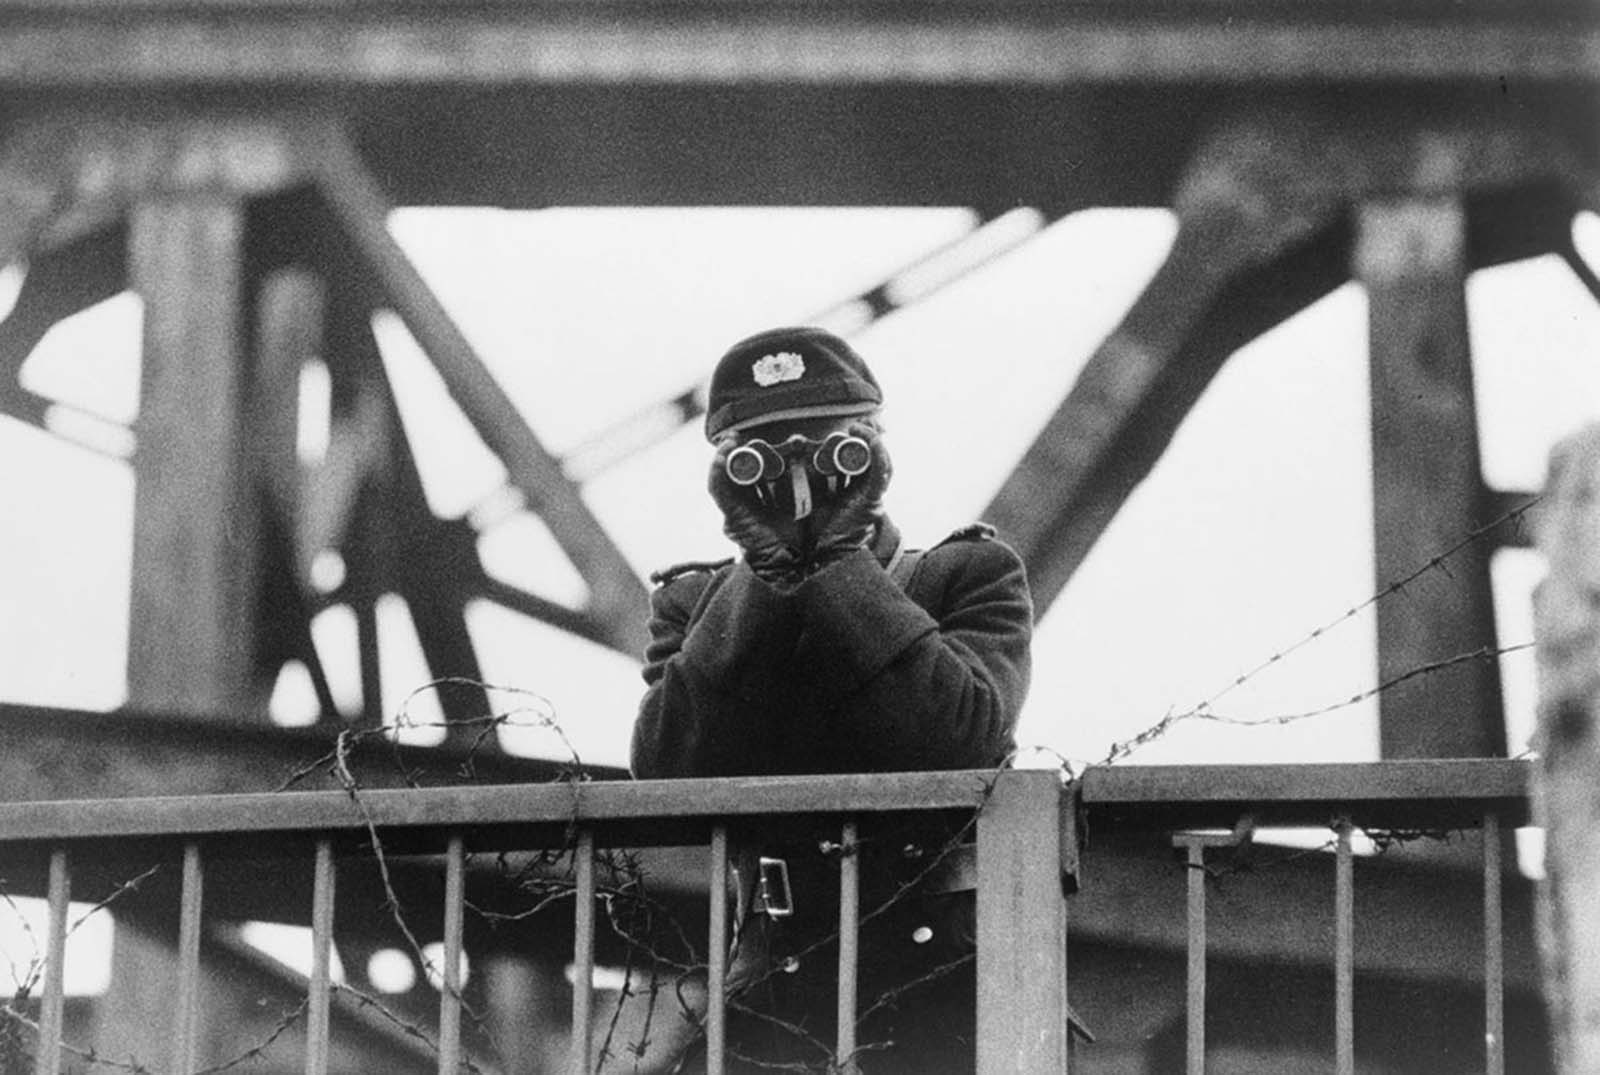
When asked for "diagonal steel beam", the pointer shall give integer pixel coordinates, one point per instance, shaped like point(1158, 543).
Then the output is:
point(517, 599)
point(86, 429)
point(60, 282)
point(1580, 267)
point(395, 543)
point(618, 595)
point(286, 613)
point(1262, 233)
point(26, 406)
point(418, 555)
point(1242, 261)
point(919, 279)
point(436, 558)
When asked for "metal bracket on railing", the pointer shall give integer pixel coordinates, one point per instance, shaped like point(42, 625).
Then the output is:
point(1238, 841)
point(775, 895)
point(1072, 830)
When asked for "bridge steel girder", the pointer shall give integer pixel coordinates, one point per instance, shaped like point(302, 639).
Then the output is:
point(54, 754)
point(1427, 485)
point(1247, 213)
point(1264, 229)
point(215, 581)
point(193, 621)
point(264, 43)
point(618, 600)
point(976, 103)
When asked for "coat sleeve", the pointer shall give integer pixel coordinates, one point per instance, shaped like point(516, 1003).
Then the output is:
point(917, 690)
point(712, 674)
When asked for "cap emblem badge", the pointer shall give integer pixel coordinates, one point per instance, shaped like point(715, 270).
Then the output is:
point(777, 368)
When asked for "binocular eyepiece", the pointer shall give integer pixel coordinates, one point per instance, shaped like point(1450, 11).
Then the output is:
point(840, 455)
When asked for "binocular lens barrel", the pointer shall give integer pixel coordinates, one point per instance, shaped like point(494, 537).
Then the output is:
point(843, 454)
point(839, 455)
point(754, 462)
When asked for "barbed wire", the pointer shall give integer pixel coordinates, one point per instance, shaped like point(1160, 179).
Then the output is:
point(625, 895)
point(1438, 562)
point(657, 948)
point(1205, 711)
point(1123, 748)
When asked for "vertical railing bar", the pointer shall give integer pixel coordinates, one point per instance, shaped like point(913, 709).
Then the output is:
point(1197, 959)
point(317, 1026)
point(1344, 953)
point(450, 974)
point(53, 1003)
point(583, 953)
point(717, 954)
point(1493, 951)
point(849, 940)
point(186, 1021)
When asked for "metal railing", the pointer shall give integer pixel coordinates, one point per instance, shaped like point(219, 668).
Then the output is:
point(1027, 844)
point(1203, 808)
point(1021, 920)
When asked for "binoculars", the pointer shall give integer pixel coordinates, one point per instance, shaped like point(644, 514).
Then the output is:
point(839, 455)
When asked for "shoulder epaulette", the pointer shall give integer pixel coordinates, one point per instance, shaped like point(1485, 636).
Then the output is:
point(971, 532)
point(667, 574)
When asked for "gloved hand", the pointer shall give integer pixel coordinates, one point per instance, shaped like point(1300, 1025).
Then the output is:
point(850, 519)
point(769, 537)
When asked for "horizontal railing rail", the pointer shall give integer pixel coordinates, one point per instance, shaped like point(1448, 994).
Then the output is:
point(1489, 795)
point(1026, 832)
point(1386, 794)
point(1021, 927)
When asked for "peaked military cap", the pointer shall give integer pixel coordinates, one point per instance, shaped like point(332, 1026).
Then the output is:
point(788, 373)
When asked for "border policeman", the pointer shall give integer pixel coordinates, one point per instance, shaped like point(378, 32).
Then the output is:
point(828, 647)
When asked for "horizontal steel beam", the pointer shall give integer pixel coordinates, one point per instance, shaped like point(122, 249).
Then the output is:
point(183, 44)
point(54, 754)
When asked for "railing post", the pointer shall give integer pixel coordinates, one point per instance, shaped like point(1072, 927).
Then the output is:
point(1194, 845)
point(849, 951)
point(1195, 1005)
point(319, 992)
point(186, 1020)
point(717, 954)
point(1494, 962)
point(1022, 927)
point(1344, 948)
point(52, 1009)
point(583, 954)
point(450, 973)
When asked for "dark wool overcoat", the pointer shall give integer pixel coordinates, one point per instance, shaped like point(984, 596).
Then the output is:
point(864, 666)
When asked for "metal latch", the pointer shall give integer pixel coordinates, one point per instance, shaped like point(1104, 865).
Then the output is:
point(777, 898)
